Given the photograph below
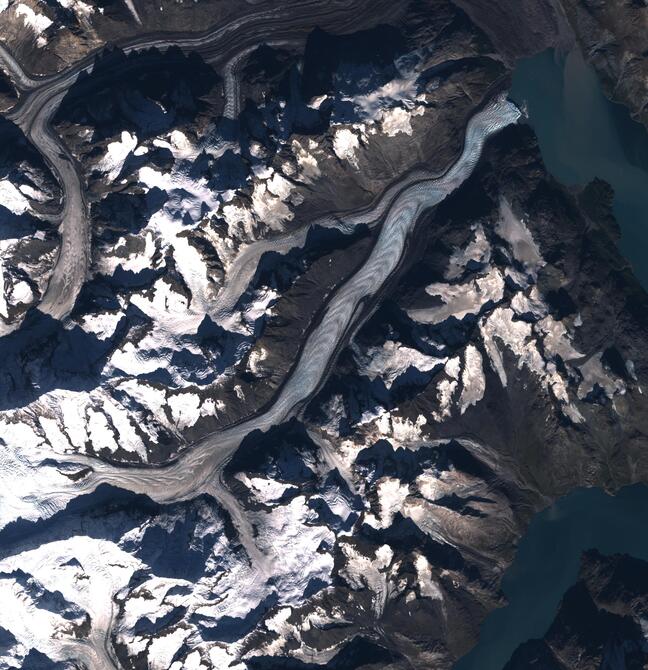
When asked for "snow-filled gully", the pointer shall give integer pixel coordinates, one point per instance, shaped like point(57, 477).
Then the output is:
point(198, 469)
point(40, 98)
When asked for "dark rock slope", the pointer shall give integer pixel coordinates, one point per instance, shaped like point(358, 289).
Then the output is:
point(400, 400)
point(613, 36)
point(601, 621)
point(234, 187)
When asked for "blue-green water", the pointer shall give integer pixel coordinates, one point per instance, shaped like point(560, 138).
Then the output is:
point(583, 135)
point(547, 561)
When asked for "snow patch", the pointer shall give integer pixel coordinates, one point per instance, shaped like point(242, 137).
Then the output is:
point(11, 198)
point(399, 120)
point(184, 409)
point(427, 586)
point(393, 360)
point(264, 490)
point(116, 154)
point(345, 143)
point(472, 379)
point(391, 496)
point(477, 251)
point(460, 300)
point(512, 229)
point(37, 22)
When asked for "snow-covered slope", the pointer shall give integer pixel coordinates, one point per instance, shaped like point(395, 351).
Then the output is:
point(339, 335)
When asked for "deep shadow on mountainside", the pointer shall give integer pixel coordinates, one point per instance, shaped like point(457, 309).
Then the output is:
point(497, 368)
point(523, 455)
